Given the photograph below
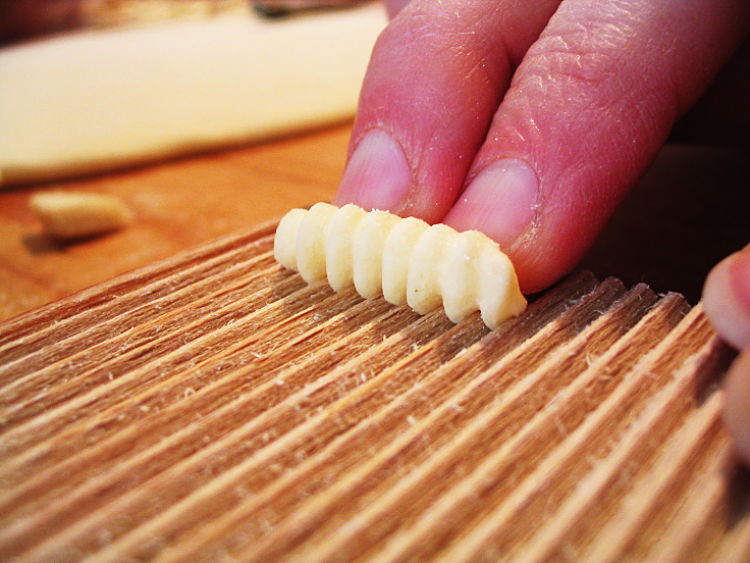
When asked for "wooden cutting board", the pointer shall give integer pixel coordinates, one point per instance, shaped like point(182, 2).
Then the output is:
point(212, 406)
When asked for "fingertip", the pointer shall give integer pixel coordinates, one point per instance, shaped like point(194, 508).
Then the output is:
point(434, 81)
point(500, 202)
point(541, 262)
point(586, 135)
point(737, 404)
point(377, 176)
point(544, 242)
point(726, 298)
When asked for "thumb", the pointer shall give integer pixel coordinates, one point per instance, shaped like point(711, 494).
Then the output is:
point(726, 299)
point(589, 107)
point(737, 408)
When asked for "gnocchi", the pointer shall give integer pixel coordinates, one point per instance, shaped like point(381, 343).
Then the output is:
point(69, 215)
point(404, 260)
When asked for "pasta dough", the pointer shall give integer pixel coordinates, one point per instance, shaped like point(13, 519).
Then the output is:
point(405, 260)
point(68, 215)
point(100, 100)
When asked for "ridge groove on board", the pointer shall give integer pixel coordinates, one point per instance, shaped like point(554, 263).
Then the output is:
point(380, 426)
point(116, 378)
point(602, 482)
point(121, 430)
point(320, 516)
point(561, 472)
point(570, 406)
point(90, 348)
point(496, 423)
point(24, 334)
point(214, 406)
point(97, 486)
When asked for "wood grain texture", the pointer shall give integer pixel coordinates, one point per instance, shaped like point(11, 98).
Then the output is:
point(213, 406)
point(177, 204)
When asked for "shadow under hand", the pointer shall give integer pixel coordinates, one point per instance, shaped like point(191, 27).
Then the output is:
point(687, 213)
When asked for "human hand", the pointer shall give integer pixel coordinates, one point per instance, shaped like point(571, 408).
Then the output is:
point(530, 121)
point(596, 87)
point(726, 298)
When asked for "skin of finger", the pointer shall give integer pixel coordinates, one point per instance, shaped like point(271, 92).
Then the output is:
point(435, 79)
point(393, 7)
point(737, 405)
point(726, 299)
point(590, 106)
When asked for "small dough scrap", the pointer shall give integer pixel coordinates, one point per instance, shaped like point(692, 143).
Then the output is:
point(405, 260)
point(69, 215)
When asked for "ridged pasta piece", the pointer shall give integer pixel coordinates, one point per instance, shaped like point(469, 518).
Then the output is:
point(367, 252)
point(397, 256)
point(338, 246)
point(310, 250)
point(405, 260)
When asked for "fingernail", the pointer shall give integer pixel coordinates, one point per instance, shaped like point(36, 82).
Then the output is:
point(377, 176)
point(500, 202)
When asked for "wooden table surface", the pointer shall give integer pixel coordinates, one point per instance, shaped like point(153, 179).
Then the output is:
point(687, 212)
point(178, 205)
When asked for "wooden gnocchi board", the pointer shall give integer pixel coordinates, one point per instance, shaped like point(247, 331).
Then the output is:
point(213, 406)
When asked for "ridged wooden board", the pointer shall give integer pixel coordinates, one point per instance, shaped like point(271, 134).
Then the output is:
point(213, 407)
